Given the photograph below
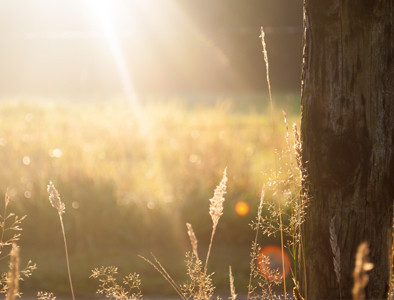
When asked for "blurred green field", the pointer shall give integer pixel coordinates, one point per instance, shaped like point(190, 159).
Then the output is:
point(131, 177)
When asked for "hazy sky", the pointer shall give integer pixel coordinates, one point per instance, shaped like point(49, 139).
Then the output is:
point(63, 48)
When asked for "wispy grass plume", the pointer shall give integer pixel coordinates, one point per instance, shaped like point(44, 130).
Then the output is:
point(159, 268)
point(216, 211)
point(232, 286)
point(56, 202)
point(262, 35)
point(193, 239)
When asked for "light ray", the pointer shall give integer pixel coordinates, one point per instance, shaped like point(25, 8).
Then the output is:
point(102, 9)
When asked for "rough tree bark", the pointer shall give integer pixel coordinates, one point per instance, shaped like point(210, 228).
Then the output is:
point(347, 131)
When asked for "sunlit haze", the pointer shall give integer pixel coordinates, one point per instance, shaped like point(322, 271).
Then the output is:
point(115, 48)
point(124, 114)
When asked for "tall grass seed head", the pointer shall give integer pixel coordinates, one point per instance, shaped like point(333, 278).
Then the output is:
point(54, 199)
point(216, 206)
point(193, 239)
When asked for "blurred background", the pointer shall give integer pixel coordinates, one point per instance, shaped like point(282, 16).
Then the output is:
point(75, 48)
point(133, 109)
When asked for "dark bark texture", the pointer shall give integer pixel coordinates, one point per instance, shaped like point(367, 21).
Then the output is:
point(347, 130)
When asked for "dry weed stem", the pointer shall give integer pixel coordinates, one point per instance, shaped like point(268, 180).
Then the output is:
point(13, 274)
point(360, 276)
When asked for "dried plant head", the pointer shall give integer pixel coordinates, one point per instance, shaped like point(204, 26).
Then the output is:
point(232, 287)
point(260, 208)
point(297, 145)
point(193, 239)
point(216, 211)
point(110, 288)
point(360, 276)
point(6, 199)
point(262, 35)
point(56, 202)
point(216, 206)
point(267, 277)
point(199, 285)
point(45, 296)
point(13, 274)
point(266, 269)
point(54, 199)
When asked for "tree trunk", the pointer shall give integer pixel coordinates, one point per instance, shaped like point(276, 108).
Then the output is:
point(347, 130)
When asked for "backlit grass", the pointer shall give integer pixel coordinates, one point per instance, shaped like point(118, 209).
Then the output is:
point(130, 183)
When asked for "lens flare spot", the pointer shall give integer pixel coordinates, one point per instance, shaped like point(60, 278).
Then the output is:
point(269, 262)
point(26, 160)
point(75, 204)
point(151, 205)
point(194, 159)
point(242, 208)
point(56, 153)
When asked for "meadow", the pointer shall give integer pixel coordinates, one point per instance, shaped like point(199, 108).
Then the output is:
point(131, 177)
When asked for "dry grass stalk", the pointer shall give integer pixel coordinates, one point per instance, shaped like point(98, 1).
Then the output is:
point(216, 206)
point(297, 146)
point(360, 276)
point(159, 268)
point(232, 287)
point(193, 239)
point(297, 294)
point(260, 265)
point(303, 198)
point(280, 225)
point(216, 211)
point(56, 202)
point(262, 35)
point(253, 254)
point(335, 251)
point(200, 284)
point(295, 207)
point(13, 274)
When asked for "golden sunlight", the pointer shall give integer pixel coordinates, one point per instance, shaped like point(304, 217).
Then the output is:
point(124, 114)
